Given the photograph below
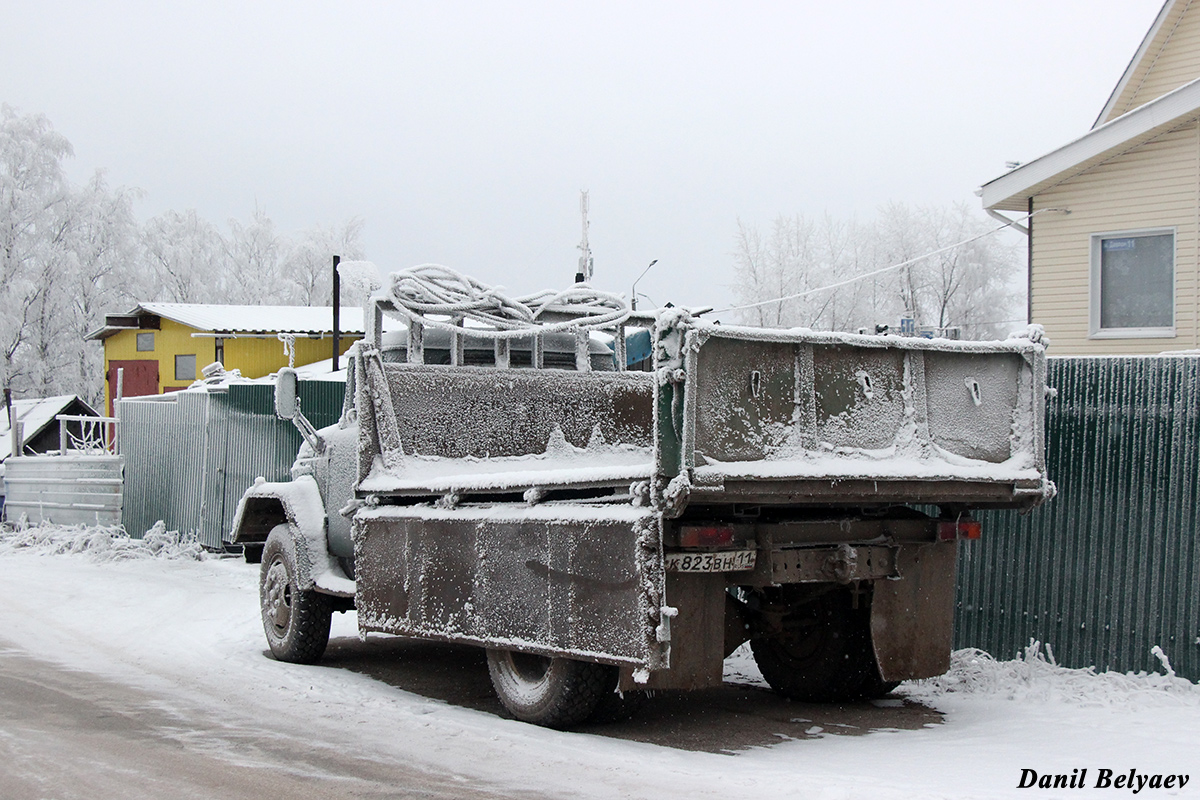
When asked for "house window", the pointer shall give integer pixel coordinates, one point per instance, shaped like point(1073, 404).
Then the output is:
point(185, 368)
point(145, 342)
point(1133, 283)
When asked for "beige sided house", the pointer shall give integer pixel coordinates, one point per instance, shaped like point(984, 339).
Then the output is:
point(1113, 261)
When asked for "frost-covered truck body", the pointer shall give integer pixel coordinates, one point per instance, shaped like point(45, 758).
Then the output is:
point(612, 531)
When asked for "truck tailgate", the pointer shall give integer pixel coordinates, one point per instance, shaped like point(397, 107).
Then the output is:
point(820, 416)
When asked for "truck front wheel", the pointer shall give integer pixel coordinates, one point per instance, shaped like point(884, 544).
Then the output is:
point(554, 692)
point(296, 621)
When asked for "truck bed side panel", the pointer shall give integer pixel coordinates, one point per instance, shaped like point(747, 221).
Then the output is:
point(467, 412)
point(555, 586)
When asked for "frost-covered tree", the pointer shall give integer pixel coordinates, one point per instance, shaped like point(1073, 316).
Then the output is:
point(67, 255)
point(102, 273)
point(185, 254)
point(308, 265)
point(799, 256)
point(71, 254)
point(969, 286)
point(34, 214)
point(972, 286)
point(252, 259)
point(254, 264)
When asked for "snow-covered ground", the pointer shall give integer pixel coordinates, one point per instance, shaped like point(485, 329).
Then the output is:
point(164, 618)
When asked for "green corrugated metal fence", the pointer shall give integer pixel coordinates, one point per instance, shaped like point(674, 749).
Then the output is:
point(1111, 567)
point(190, 455)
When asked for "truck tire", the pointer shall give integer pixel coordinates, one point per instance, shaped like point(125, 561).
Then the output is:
point(296, 622)
point(553, 692)
point(617, 706)
point(824, 654)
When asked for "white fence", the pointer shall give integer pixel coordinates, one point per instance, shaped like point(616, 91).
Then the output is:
point(67, 489)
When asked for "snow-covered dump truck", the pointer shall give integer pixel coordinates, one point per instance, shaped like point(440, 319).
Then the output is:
point(604, 532)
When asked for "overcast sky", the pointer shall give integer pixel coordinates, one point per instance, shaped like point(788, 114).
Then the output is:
point(462, 133)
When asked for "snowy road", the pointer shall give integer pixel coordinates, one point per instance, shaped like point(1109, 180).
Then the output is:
point(73, 735)
point(147, 678)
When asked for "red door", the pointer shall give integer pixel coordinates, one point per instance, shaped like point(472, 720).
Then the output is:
point(140, 378)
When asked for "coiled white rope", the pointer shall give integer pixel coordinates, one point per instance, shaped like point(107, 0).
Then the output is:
point(429, 291)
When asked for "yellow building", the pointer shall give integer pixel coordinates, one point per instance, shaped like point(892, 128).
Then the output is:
point(163, 347)
point(1114, 266)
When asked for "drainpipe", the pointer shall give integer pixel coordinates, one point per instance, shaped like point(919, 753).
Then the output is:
point(1010, 222)
point(1029, 266)
point(1026, 229)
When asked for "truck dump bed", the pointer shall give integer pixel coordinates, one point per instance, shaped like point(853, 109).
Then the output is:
point(732, 415)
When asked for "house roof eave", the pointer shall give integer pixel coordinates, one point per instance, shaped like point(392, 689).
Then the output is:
point(1010, 192)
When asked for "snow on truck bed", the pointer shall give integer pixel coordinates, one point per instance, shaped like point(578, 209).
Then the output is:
point(868, 466)
point(612, 466)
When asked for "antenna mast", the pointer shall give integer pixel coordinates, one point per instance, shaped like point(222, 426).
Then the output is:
point(584, 273)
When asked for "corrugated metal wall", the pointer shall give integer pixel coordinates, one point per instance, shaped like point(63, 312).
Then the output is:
point(190, 455)
point(68, 490)
point(1111, 567)
point(163, 444)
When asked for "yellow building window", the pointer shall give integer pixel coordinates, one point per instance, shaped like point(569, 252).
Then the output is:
point(185, 368)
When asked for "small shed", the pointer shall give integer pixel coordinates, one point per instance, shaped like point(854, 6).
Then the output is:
point(41, 481)
point(41, 432)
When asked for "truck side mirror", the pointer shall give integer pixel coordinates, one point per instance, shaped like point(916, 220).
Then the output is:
point(286, 406)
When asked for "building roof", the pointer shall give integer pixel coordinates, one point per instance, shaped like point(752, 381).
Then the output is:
point(312, 320)
point(1010, 192)
point(36, 414)
point(1143, 61)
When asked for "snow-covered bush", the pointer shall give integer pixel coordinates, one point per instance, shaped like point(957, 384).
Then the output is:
point(100, 543)
point(1035, 676)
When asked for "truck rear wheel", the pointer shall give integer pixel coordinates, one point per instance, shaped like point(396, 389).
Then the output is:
point(554, 692)
point(615, 706)
point(296, 621)
point(823, 654)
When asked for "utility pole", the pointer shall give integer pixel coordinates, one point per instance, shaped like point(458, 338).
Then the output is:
point(337, 313)
point(584, 273)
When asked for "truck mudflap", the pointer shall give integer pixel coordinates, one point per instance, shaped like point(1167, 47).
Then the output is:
point(569, 580)
point(298, 504)
point(912, 618)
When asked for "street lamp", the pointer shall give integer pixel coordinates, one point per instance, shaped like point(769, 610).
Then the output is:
point(633, 299)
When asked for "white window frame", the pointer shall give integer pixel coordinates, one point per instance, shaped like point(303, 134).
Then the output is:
point(1094, 329)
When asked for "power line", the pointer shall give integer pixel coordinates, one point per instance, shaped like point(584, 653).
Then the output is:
point(902, 264)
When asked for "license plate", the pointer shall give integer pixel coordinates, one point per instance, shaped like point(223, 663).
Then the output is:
point(726, 561)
